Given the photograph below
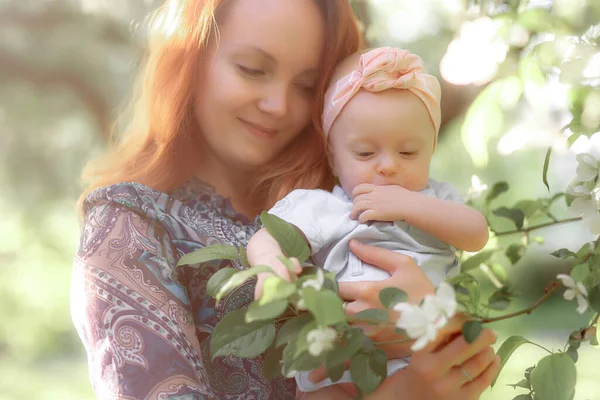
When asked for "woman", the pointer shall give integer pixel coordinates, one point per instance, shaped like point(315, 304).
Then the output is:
point(223, 126)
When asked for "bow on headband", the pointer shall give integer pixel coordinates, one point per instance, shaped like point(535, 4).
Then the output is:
point(381, 69)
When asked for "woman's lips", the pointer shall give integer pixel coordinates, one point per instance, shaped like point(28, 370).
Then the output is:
point(258, 130)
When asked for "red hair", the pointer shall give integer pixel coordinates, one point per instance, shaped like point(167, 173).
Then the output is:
point(160, 142)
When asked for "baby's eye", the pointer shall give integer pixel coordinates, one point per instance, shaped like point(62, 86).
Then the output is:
point(250, 72)
point(408, 153)
point(364, 153)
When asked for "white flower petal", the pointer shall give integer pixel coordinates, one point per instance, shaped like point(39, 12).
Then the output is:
point(582, 304)
point(582, 289)
point(566, 280)
point(569, 294)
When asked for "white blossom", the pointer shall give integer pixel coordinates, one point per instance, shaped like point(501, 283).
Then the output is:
point(316, 284)
point(320, 340)
point(575, 290)
point(587, 167)
point(586, 191)
point(477, 187)
point(423, 322)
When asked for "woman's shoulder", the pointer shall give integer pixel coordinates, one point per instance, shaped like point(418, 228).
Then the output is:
point(190, 216)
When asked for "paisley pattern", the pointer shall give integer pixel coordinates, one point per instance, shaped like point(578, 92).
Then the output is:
point(145, 323)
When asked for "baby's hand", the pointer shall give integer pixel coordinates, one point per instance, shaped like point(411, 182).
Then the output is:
point(280, 270)
point(378, 203)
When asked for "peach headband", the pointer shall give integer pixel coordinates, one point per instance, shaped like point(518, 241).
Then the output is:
point(381, 69)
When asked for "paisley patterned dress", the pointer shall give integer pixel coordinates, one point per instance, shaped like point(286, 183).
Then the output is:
point(145, 323)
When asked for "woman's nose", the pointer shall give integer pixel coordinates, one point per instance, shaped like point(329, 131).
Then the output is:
point(275, 101)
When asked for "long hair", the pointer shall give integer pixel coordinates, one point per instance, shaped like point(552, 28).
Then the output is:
point(160, 140)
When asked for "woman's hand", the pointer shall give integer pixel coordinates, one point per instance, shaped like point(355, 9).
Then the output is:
point(405, 274)
point(449, 369)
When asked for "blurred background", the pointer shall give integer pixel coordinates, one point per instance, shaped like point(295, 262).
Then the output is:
point(518, 77)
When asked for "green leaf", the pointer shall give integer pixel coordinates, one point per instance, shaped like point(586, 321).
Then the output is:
point(594, 339)
point(529, 207)
point(292, 327)
point(325, 305)
point(523, 383)
point(523, 397)
point(572, 139)
point(243, 257)
point(218, 279)
point(514, 214)
point(471, 330)
point(572, 352)
point(299, 362)
point(368, 370)
point(546, 164)
point(580, 272)
point(499, 304)
point(269, 311)
point(506, 350)
point(210, 253)
point(554, 377)
point(583, 251)
point(474, 261)
point(373, 316)
point(233, 336)
point(344, 350)
point(240, 277)
point(514, 252)
point(276, 288)
point(390, 296)
point(563, 254)
point(496, 190)
point(272, 362)
point(291, 241)
point(335, 372)
point(594, 298)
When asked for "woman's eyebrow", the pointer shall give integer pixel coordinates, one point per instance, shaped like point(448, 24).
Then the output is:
point(255, 49)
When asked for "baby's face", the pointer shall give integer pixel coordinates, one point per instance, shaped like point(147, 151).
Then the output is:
point(384, 138)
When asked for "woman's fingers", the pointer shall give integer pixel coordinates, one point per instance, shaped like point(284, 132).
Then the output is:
point(470, 370)
point(379, 257)
point(458, 350)
point(351, 291)
point(474, 388)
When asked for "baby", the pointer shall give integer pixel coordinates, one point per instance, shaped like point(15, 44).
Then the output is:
point(381, 119)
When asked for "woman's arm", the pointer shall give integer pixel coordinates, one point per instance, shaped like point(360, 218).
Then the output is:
point(453, 223)
point(139, 334)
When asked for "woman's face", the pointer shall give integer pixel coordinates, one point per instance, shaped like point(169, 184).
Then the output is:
point(257, 85)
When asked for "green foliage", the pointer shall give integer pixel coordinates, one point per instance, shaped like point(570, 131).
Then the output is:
point(234, 336)
point(471, 330)
point(554, 378)
point(391, 296)
point(507, 349)
point(292, 243)
point(210, 253)
point(368, 370)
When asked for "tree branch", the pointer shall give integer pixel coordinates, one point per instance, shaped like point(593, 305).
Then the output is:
point(553, 287)
point(92, 100)
point(534, 227)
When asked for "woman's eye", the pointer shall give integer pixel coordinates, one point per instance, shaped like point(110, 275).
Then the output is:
point(250, 72)
point(307, 89)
